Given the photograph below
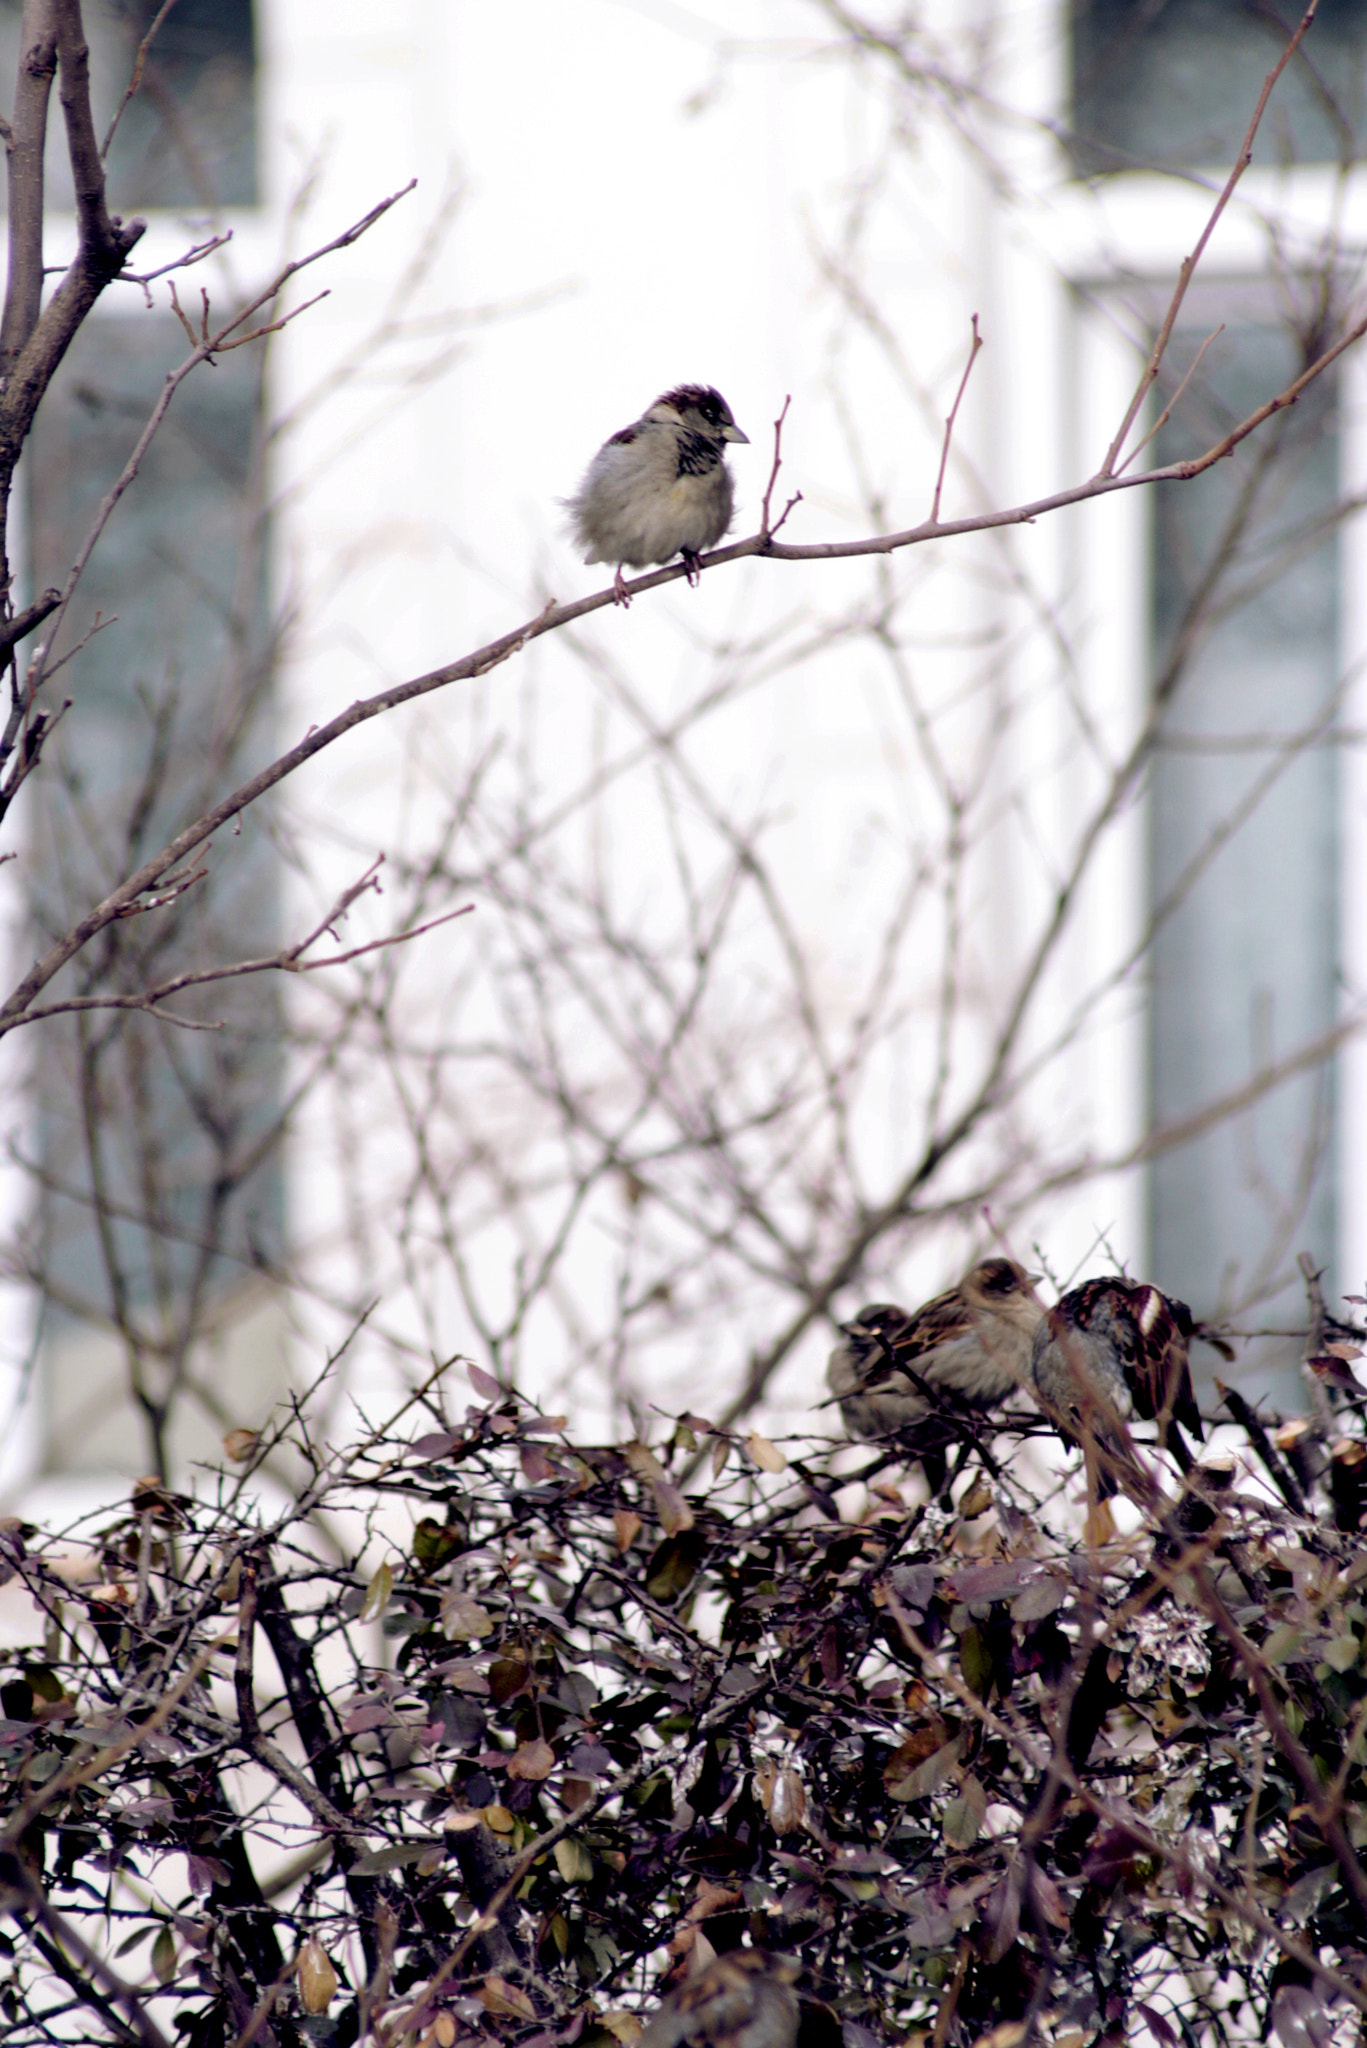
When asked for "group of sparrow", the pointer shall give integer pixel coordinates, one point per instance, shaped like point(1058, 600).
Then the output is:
point(1108, 1351)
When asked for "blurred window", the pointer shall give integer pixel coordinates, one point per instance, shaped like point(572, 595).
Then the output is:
point(187, 139)
point(1173, 82)
point(1244, 844)
point(161, 1184)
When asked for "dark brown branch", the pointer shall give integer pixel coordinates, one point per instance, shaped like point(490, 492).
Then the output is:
point(1281, 1475)
point(102, 251)
point(24, 293)
point(12, 631)
point(97, 230)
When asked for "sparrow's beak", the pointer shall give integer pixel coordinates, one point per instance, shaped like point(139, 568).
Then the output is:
point(1034, 1278)
point(733, 433)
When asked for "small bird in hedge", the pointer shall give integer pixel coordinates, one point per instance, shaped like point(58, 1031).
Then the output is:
point(896, 1369)
point(741, 1999)
point(1109, 1350)
point(659, 487)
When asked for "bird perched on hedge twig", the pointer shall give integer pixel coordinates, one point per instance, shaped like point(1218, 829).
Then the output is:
point(742, 1999)
point(660, 487)
point(1108, 1350)
point(967, 1349)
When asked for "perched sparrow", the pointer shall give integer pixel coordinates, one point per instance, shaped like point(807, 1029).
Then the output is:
point(741, 1999)
point(1106, 1351)
point(660, 487)
point(895, 1369)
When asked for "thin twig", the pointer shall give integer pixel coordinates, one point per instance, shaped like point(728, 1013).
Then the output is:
point(775, 466)
point(1156, 429)
point(949, 423)
point(136, 80)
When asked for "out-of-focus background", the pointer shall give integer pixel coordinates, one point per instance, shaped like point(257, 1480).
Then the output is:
point(830, 923)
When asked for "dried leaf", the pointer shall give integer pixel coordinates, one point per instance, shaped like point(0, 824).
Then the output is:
point(536, 1466)
point(505, 2000)
point(395, 1856)
point(507, 1677)
point(644, 1463)
point(1043, 1597)
point(721, 1451)
point(532, 1760)
point(485, 1385)
point(1002, 1914)
point(963, 1817)
point(573, 1860)
point(673, 1565)
point(975, 1661)
point(438, 1444)
point(787, 1803)
point(766, 1455)
point(240, 1444)
point(317, 1977)
point(462, 1617)
point(377, 1593)
point(1157, 2025)
point(1048, 1900)
point(1299, 2017)
point(627, 1526)
point(164, 1956)
point(713, 1898)
point(922, 1764)
point(435, 1543)
point(45, 1683)
point(113, 1594)
point(977, 1500)
point(674, 1512)
point(1333, 1372)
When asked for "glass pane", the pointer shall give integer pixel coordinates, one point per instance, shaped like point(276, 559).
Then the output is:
point(1244, 836)
point(1172, 82)
point(171, 705)
point(187, 139)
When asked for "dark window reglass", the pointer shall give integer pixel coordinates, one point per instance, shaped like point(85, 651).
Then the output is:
point(1175, 82)
point(187, 139)
point(1244, 841)
point(154, 1140)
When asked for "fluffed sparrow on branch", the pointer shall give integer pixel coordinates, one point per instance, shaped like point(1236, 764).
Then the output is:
point(742, 1999)
point(660, 487)
point(1109, 1350)
point(895, 1367)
